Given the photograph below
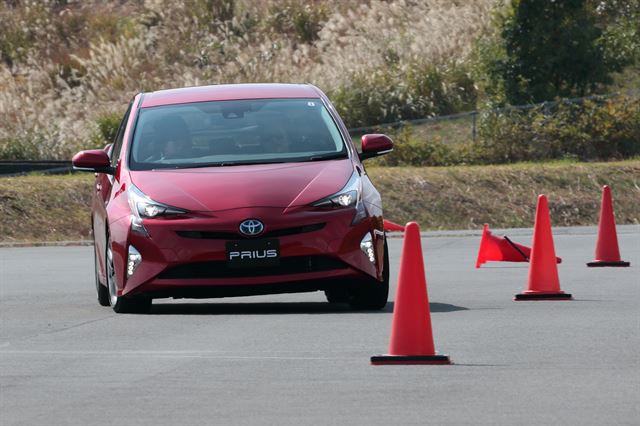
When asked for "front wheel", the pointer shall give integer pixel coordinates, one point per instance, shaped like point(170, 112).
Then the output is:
point(101, 289)
point(122, 304)
point(373, 295)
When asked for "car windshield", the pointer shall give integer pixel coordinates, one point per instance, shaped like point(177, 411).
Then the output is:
point(226, 133)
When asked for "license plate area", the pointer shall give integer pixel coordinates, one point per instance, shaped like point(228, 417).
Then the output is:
point(253, 253)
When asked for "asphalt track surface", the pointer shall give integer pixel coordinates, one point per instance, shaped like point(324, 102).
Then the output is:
point(296, 360)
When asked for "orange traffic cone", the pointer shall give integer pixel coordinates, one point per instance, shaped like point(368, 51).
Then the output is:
point(544, 283)
point(499, 249)
point(607, 251)
point(411, 336)
point(390, 226)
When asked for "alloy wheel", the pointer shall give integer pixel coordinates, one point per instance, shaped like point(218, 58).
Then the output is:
point(111, 277)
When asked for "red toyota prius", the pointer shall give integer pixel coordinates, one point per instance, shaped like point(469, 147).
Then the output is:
point(236, 190)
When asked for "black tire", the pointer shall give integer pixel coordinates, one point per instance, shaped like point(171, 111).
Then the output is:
point(374, 294)
point(122, 304)
point(337, 295)
point(101, 289)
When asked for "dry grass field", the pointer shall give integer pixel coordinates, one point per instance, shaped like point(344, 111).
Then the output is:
point(66, 66)
point(465, 197)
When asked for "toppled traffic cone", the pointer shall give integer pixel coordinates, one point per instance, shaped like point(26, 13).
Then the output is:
point(390, 226)
point(501, 249)
point(544, 283)
point(411, 336)
point(607, 251)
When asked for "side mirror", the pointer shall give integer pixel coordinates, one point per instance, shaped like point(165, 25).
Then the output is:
point(93, 160)
point(374, 145)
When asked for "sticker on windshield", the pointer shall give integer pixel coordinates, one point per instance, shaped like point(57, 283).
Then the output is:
point(311, 104)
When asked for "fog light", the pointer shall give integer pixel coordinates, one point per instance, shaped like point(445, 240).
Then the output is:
point(134, 259)
point(366, 245)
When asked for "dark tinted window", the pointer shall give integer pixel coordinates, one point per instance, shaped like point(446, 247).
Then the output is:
point(117, 143)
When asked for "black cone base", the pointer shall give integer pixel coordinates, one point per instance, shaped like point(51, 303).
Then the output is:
point(409, 359)
point(543, 296)
point(597, 263)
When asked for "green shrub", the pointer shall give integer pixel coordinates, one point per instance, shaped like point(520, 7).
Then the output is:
point(209, 14)
point(110, 27)
point(40, 145)
point(590, 130)
point(298, 19)
point(18, 30)
point(391, 94)
point(411, 151)
point(13, 44)
point(107, 127)
point(20, 148)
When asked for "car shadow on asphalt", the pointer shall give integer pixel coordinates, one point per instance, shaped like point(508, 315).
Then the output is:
point(278, 308)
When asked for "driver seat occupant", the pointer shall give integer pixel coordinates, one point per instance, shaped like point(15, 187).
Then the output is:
point(174, 138)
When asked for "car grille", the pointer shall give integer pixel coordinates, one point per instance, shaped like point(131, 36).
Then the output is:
point(220, 269)
point(212, 235)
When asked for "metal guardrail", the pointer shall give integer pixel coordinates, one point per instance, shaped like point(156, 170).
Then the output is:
point(23, 167)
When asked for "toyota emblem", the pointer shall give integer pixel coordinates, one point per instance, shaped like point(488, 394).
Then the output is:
point(251, 227)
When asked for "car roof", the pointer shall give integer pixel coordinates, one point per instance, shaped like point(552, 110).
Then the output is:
point(228, 92)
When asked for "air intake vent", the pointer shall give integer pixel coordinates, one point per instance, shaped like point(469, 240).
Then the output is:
point(220, 269)
point(212, 235)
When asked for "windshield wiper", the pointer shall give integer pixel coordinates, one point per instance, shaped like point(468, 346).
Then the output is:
point(331, 156)
point(231, 163)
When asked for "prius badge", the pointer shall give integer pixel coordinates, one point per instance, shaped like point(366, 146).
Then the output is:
point(251, 227)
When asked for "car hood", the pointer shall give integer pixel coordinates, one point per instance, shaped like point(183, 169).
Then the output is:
point(230, 187)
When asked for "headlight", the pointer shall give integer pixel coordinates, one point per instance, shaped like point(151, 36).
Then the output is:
point(144, 207)
point(349, 196)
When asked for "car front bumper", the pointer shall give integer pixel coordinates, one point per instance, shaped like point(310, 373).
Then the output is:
point(186, 257)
